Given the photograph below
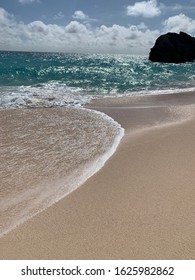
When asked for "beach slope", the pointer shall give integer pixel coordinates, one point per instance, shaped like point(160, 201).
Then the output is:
point(140, 205)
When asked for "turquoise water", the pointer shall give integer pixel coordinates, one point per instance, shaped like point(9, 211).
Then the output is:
point(58, 79)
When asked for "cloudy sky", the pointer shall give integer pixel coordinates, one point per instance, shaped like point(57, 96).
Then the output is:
point(94, 26)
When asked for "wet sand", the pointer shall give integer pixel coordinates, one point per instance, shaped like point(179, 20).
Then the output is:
point(140, 205)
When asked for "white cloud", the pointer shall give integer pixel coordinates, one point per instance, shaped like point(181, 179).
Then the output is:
point(179, 23)
point(5, 17)
point(142, 26)
point(37, 27)
point(74, 37)
point(79, 15)
point(146, 9)
point(59, 15)
point(74, 27)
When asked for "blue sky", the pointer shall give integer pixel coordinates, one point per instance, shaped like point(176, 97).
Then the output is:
point(94, 26)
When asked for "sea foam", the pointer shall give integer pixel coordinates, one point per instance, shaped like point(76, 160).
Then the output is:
point(46, 154)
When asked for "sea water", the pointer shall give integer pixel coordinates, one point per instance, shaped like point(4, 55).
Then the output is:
point(51, 145)
point(54, 79)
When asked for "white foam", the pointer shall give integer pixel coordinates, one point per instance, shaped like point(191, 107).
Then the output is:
point(55, 94)
point(22, 205)
point(158, 92)
point(52, 94)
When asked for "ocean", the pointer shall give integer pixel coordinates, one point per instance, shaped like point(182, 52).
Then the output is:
point(58, 79)
point(49, 143)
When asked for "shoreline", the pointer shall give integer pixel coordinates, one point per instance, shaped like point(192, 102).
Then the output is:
point(57, 135)
point(139, 205)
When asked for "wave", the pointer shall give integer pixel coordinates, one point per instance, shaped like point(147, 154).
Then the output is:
point(55, 94)
point(51, 153)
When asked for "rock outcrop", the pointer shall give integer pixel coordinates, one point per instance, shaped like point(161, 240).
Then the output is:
point(173, 48)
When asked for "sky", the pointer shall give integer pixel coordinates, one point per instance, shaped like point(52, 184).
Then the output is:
point(91, 26)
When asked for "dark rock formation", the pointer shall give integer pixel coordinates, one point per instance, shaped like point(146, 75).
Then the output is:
point(173, 48)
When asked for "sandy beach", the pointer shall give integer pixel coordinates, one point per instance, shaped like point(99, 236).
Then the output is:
point(140, 205)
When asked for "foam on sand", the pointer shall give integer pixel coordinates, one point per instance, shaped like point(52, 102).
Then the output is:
point(48, 153)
